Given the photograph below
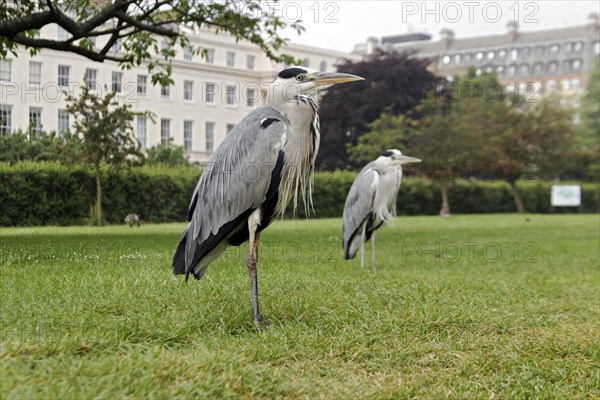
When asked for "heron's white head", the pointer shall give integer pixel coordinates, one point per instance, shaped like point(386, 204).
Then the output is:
point(294, 81)
point(395, 157)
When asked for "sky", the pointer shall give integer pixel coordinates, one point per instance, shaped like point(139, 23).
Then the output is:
point(340, 24)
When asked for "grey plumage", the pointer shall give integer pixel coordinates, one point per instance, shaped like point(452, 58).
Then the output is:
point(265, 162)
point(235, 182)
point(371, 201)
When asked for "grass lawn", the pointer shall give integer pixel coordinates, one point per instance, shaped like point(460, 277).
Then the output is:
point(482, 306)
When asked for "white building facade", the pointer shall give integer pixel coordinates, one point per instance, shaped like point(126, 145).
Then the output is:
point(209, 95)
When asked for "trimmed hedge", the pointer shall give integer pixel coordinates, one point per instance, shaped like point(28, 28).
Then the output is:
point(51, 194)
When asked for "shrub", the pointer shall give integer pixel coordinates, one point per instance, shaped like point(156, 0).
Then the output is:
point(57, 194)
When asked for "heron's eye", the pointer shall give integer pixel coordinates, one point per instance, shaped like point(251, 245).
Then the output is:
point(299, 78)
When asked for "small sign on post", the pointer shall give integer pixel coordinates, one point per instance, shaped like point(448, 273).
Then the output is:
point(566, 196)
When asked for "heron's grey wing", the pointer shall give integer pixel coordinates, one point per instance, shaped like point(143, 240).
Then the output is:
point(358, 207)
point(234, 183)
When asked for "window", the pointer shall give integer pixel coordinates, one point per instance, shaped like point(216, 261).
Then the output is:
point(165, 131)
point(187, 53)
point(576, 84)
point(478, 72)
point(539, 51)
point(479, 56)
point(491, 55)
point(5, 70)
point(210, 56)
point(597, 48)
point(538, 68)
point(524, 69)
point(512, 70)
point(250, 97)
point(500, 70)
point(551, 85)
point(187, 135)
point(164, 48)
point(230, 95)
point(576, 65)
point(62, 34)
point(209, 142)
point(230, 59)
point(552, 67)
point(250, 61)
point(117, 46)
point(565, 84)
point(64, 73)
point(525, 52)
point(141, 130)
point(446, 59)
point(209, 94)
point(468, 57)
point(323, 66)
point(188, 90)
point(306, 63)
point(142, 87)
point(63, 122)
point(514, 54)
point(457, 59)
point(229, 128)
point(502, 54)
point(554, 49)
point(165, 92)
point(35, 120)
point(117, 81)
point(35, 73)
point(90, 78)
point(5, 119)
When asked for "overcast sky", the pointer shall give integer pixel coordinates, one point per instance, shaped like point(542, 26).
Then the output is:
point(339, 25)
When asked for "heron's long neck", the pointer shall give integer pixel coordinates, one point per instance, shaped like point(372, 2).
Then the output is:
point(300, 150)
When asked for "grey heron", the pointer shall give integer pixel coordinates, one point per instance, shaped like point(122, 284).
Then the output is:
point(371, 202)
point(264, 163)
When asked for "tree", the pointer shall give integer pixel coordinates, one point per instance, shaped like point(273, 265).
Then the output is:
point(105, 130)
point(473, 130)
point(19, 146)
point(449, 131)
point(537, 141)
point(137, 27)
point(585, 162)
point(167, 155)
point(396, 82)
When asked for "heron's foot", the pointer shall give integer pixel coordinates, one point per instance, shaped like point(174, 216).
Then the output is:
point(261, 323)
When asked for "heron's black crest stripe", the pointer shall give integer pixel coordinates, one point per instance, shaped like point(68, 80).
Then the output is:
point(291, 72)
point(387, 153)
point(268, 121)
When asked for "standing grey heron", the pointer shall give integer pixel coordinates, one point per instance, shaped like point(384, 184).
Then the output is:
point(372, 201)
point(262, 164)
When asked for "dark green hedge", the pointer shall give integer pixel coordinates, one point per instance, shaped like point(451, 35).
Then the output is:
point(50, 194)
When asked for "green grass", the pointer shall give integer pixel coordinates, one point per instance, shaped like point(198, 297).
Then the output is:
point(95, 313)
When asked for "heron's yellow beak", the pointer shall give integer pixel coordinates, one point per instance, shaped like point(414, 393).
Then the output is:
point(331, 78)
point(406, 159)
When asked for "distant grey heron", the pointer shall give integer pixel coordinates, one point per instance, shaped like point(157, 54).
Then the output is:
point(372, 201)
point(262, 164)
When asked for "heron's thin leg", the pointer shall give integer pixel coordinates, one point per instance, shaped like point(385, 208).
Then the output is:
point(373, 251)
point(363, 239)
point(252, 271)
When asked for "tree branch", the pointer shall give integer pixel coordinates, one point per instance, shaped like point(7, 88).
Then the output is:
point(64, 46)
